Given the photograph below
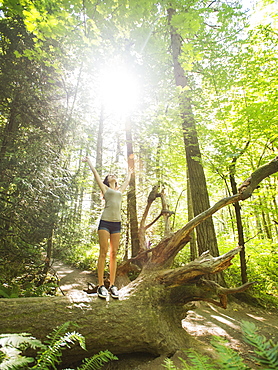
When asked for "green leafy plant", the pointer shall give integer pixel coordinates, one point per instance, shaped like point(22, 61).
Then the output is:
point(169, 365)
point(197, 362)
point(29, 286)
point(9, 292)
point(97, 361)
point(56, 341)
point(228, 359)
point(266, 351)
point(48, 353)
point(12, 346)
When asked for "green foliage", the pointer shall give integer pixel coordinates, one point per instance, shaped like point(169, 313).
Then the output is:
point(33, 181)
point(197, 361)
point(9, 292)
point(266, 351)
point(12, 346)
point(32, 283)
point(33, 290)
point(261, 267)
point(227, 358)
point(49, 353)
point(82, 256)
point(169, 365)
point(56, 342)
point(97, 361)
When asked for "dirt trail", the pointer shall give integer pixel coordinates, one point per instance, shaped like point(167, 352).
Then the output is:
point(72, 281)
point(202, 320)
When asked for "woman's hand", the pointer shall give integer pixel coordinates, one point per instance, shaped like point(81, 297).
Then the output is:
point(86, 159)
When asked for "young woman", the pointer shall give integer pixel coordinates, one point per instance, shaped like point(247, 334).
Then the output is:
point(109, 229)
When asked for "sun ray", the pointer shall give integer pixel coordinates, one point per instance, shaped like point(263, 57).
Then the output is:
point(118, 90)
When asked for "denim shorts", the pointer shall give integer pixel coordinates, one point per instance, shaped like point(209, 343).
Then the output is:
point(111, 227)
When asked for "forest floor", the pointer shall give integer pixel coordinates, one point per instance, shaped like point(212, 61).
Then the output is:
point(202, 321)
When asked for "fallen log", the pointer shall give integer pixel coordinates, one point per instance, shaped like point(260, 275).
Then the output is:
point(146, 318)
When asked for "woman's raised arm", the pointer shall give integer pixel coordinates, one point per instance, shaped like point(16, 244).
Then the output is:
point(127, 180)
point(102, 186)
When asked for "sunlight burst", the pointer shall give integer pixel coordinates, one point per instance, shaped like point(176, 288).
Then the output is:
point(119, 90)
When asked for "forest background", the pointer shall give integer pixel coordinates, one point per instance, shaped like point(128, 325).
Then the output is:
point(96, 78)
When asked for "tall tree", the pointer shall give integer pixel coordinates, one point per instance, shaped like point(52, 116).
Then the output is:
point(95, 202)
point(206, 237)
point(131, 196)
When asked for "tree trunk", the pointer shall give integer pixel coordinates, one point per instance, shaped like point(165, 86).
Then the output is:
point(143, 227)
point(131, 195)
point(96, 199)
point(165, 213)
point(193, 242)
point(240, 233)
point(206, 237)
point(265, 218)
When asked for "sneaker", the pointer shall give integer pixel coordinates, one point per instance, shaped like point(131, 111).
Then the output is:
point(102, 292)
point(113, 290)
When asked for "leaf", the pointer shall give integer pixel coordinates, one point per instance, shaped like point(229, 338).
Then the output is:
point(229, 359)
point(266, 350)
point(97, 361)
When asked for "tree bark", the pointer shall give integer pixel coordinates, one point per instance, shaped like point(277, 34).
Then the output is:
point(240, 232)
point(142, 228)
point(193, 241)
point(206, 237)
point(131, 195)
point(249, 185)
point(165, 212)
point(96, 199)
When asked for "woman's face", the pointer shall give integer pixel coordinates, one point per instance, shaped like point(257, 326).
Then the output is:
point(111, 178)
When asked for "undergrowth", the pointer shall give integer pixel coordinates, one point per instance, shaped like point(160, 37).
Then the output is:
point(49, 353)
point(261, 259)
point(265, 354)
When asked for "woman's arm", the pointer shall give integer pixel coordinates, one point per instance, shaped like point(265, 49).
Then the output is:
point(127, 180)
point(102, 186)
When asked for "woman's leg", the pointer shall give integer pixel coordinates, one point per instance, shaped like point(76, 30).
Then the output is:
point(114, 245)
point(103, 237)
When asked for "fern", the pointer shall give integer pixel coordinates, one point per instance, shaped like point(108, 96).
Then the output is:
point(169, 364)
point(53, 353)
point(20, 362)
point(57, 333)
point(12, 346)
point(199, 361)
point(228, 359)
point(266, 350)
point(97, 361)
point(21, 341)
